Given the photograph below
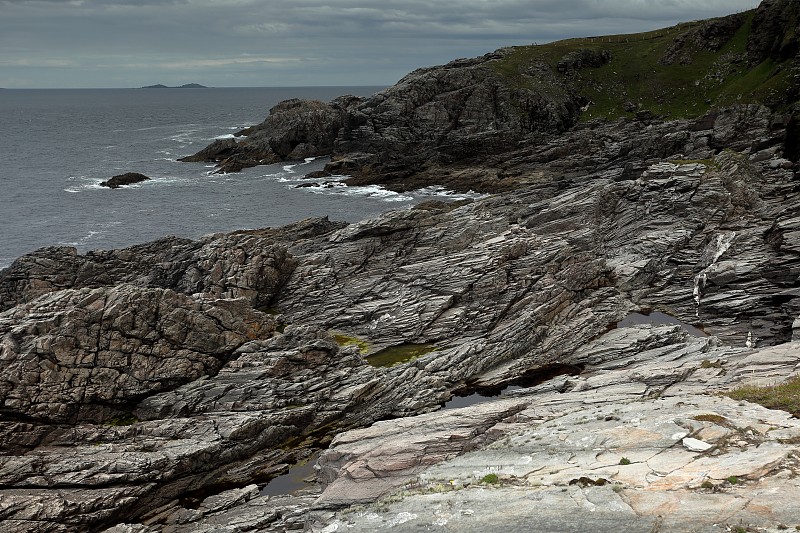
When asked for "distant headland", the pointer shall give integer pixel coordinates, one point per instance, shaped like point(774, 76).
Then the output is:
point(186, 86)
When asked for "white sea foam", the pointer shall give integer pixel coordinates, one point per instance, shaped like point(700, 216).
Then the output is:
point(83, 240)
point(441, 191)
point(369, 191)
point(168, 180)
point(82, 183)
point(185, 137)
point(224, 136)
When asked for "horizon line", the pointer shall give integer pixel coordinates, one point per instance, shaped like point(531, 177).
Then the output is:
point(179, 87)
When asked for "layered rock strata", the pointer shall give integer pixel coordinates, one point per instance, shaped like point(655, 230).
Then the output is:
point(142, 382)
point(635, 445)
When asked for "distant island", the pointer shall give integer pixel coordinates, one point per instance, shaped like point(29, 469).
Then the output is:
point(186, 86)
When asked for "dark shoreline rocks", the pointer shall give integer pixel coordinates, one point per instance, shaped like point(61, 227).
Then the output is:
point(294, 129)
point(121, 180)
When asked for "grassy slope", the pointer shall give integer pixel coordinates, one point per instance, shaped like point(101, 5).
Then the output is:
point(712, 79)
point(785, 396)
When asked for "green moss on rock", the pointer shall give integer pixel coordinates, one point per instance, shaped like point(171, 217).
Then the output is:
point(402, 353)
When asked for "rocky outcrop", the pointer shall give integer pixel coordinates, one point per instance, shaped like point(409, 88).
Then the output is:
point(774, 33)
point(711, 35)
point(438, 125)
point(90, 355)
point(432, 116)
point(294, 129)
point(246, 264)
point(497, 291)
point(121, 180)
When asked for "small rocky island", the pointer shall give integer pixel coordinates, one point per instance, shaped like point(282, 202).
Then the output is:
point(184, 86)
point(629, 292)
point(121, 180)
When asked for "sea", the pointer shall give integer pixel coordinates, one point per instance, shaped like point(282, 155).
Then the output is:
point(57, 145)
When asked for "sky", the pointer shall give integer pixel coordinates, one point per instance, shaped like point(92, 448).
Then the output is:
point(287, 43)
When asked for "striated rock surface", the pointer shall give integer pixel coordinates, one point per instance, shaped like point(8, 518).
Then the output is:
point(635, 447)
point(141, 382)
point(87, 355)
point(247, 264)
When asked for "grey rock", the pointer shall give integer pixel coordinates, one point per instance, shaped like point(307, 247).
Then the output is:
point(771, 36)
point(433, 115)
point(89, 354)
point(695, 445)
point(710, 35)
point(603, 455)
point(509, 288)
point(247, 264)
point(294, 129)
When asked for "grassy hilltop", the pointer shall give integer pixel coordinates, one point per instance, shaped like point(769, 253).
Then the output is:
point(681, 71)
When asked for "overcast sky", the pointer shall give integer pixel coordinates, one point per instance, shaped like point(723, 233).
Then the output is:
point(248, 43)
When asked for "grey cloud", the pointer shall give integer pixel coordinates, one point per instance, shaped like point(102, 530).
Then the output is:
point(298, 41)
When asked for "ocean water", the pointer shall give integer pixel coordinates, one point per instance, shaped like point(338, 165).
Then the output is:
point(58, 145)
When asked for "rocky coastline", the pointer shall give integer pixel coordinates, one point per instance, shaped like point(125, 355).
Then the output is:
point(159, 388)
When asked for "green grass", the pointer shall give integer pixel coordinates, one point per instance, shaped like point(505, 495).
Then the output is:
point(402, 353)
point(785, 396)
point(624, 461)
point(635, 74)
point(491, 479)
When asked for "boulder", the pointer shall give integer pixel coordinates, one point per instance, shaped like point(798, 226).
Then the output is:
point(121, 180)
